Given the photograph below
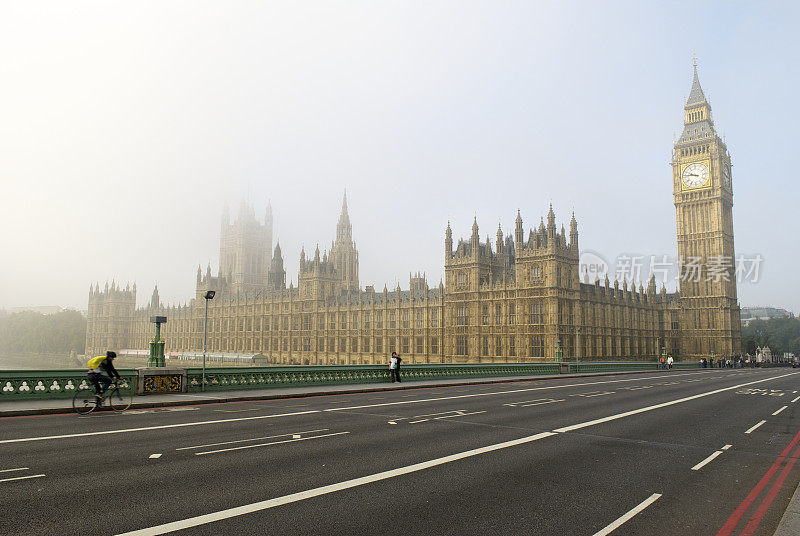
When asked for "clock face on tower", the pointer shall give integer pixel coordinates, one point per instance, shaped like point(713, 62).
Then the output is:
point(695, 175)
point(726, 174)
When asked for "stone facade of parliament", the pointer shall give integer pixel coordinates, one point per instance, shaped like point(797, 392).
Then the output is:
point(516, 298)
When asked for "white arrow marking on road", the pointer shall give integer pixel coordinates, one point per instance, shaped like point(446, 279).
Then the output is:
point(666, 404)
point(616, 524)
point(238, 419)
point(271, 503)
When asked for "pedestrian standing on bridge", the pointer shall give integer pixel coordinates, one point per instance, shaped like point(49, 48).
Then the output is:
point(394, 372)
point(669, 362)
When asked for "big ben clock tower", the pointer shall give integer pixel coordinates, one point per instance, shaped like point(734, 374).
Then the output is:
point(703, 195)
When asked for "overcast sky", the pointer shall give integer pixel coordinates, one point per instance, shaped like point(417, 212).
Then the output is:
point(125, 129)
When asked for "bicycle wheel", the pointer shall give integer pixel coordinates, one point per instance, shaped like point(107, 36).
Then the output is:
point(84, 401)
point(121, 397)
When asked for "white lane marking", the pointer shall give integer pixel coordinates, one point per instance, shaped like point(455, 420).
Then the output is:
point(15, 469)
point(296, 436)
point(155, 456)
point(595, 393)
point(528, 403)
point(726, 447)
point(796, 399)
point(20, 478)
point(160, 427)
point(257, 417)
point(415, 422)
point(754, 427)
point(783, 408)
point(619, 522)
point(268, 444)
point(662, 405)
point(241, 510)
point(391, 422)
point(512, 391)
point(246, 440)
point(707, 460)
point(460, 414)
point(302, 495)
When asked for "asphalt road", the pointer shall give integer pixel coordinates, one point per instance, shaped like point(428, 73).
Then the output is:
point(671, 453)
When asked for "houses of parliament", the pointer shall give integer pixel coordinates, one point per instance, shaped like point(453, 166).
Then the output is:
point(511, 299)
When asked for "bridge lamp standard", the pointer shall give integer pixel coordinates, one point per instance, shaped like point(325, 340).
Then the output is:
point(209, 295)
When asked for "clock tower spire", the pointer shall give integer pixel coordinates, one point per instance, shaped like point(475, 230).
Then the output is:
point(703, 197)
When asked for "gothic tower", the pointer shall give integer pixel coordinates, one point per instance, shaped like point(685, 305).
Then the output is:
point(344, 255)
point(245, 250)
point(277, 274)
point(703, 196)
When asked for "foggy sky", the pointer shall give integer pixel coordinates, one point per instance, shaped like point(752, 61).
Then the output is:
point(126, 128)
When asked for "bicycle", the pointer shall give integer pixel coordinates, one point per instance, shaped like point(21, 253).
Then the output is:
point(119, 396)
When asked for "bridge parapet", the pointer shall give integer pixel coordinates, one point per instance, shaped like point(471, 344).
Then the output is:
point(39, 384)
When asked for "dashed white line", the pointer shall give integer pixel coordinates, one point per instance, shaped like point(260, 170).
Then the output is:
point(619, 522)
point(20, 478)
point(251, 439)
point(754, 427)
point(726, 447)
point(270, 503)
point(664, 405)
point(796, 399)
point(257, 417)
point(778, 411)
point(155, 456)
point(302, 495)
point(707, 460)
point(268, 444)
point(529, 403)
point(159, 427)
point(16, 469)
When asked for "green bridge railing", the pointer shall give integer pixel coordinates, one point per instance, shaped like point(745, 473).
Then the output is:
point(223, 378)
point(57, 383)
point(42, 384)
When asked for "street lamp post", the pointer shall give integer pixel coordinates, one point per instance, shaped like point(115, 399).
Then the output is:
point(209, 295)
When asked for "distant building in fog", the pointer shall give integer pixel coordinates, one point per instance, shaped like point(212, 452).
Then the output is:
point(518, 298)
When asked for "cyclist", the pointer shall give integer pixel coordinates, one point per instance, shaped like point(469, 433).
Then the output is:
point(99, 365)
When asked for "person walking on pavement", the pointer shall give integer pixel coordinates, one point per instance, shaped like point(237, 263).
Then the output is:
point(669, 362)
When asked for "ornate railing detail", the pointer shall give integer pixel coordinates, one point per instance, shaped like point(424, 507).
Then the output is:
point(30, 384)
point(33, 384)
point(228, 378)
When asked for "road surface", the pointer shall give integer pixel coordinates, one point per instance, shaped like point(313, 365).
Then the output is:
point(667, 453)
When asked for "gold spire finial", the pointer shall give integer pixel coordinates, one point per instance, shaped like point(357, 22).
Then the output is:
point(694, 60)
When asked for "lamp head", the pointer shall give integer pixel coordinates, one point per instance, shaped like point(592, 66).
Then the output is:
point(209, 295)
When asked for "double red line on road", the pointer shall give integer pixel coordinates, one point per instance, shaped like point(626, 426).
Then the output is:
point(754, 522)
